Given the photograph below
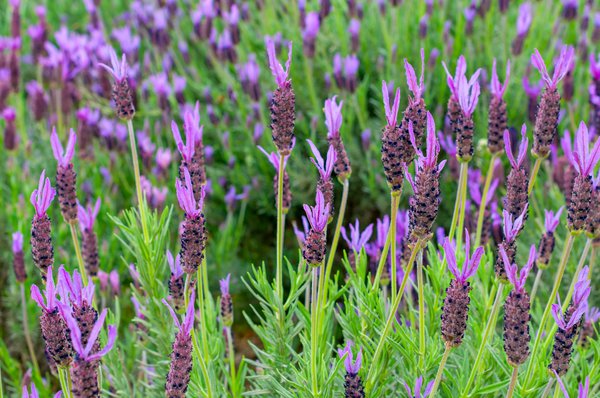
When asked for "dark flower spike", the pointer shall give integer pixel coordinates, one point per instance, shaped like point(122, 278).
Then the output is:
point(584, 389)
point(584, 158)
point(512, 226)
point(470, 264)
point(117, 69)
point(185, 196)
point(42, 197)
point(561, 68)
point(358, 239)
point(87, 215)
point(411, 78)
point(416, 393)
point(391, 114)
point(85, 353)
point(497, 89)
point(188, 321)
point(551, 220)
point(174, 264)
point(518, 278)
point(318, 214)
point(518, 162)
point(64, 157)
point(351, 365)
point(325, 168)
point(281, 75)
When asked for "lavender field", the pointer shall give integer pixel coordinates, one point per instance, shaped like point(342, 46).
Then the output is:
point(299, 198)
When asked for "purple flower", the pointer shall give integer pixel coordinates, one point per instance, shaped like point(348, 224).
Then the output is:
point(224, 285)
point(137, 307)
point(518, 281)
point(317, 215)
point(358, 239)
point(351, 64)
point(524, 19)
point(468, 93)
point(186, 150)
point(552, 220)
point(114, 279)
point(64, 157)
point(281, 75)
point(325, 168)
point(87, 215)
point(42, 197)
point(582, 288)
point(595, 66)
point(476, 192)
point(301, 234)
point(532, 91)
point(512, 227)
point(496, 88)
point(185, 196)
point(188, 321)
point(85, 353)
point(118, 70)
point(565, 59)
point(17, 242)
point(391, 114)
point(592, 315)
point(411, 77)
point(516, 163)
point(73, 288)
point(50, 303)
point(453, 81)
point(311, 26)
point(429, 160)
point(174, 264)
point(584, 390)
point(333, 116)
point(583, 159)
point(470, 264)
point(580, 296)
point(258, 132)
point(274, 158)
point(416, 393)
point(352, 365)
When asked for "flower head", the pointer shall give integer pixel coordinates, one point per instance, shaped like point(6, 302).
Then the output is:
point(224, 285)
point(565, 59)
point(301, 233)
point(582, 287)
point(391, 114)
point(312, 24)
point(496, 87)
point(174, 264)
point(416, 393)
point(17, 242)
point(592, 315)
point(357, 239)
point(476, 192)
point(524, 19)
point(429, 160)
point(411, 77)
point(516, 163)
point(87, 215)
point(281, 75)
point(43, 195)
point(333, 116)
point(73, 288)
point(274, 158)
point(63, 157)
point(185, 196)
point(468, 93)
point(188, 321)
point(551, 220)
point(512, 226)
point(580, 296)
point(86, 352)
point(325, 167)
point(352, 365)
point(118, 69)
point(454, 81)
point(192, 132)
point(50, 302)
point(318, 215)
point(470, 264)
point(585, 160)
point(518, 280)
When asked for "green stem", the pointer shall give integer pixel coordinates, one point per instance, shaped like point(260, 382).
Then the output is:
point(371, 378)
point(26, 331)
point(279, 260)
point(393, 215)
point(547, 389)
point(560, 272)
point(138, 184)
point(534, 174)
point(203, 331)
point(440, 371)
point(421, 309)
point(592, 259)
point(384, 252)
point(457, 202)
point(513, 382)
point(536, 284)
point(64, 379)
point(234, 391)
point(483, 204)
point(484, 340)
point(314, 315)
point(464, 169)
point(75, 238)
point(557, 390)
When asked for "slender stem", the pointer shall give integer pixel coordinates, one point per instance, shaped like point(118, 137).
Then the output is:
point(138, 184)
point(75, 238)
point(64, 378)
point(200, 357)
point(536, 284)
point(421, 309)
point(384, 252)
point(391, 316)
point(557, 390)
point(393, 215)
point(440, 372)
point(484, 195)
point(336, 239)
point(534, 173)
point(458, 200)
point(26, 330)
point(592, 259)
point(313, 335)
point(513, 382)
point(464, 169)
point(279, 260)
point(234, 391)
point(547, 389)
point(560, 272)
point(484, 340)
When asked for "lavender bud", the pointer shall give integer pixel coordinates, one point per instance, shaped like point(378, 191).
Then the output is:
point(66, 178)
point(314, 246)
point(193, 236)
point(517, 182)
point(226, 303)
point(87, 217)
point(391, 153)
point(10, 133)
point(121, 92)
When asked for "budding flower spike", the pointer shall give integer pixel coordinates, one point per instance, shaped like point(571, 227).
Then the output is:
point(353, 385)
point(176, 281)
point(415, 113)
point(358, 239)
point(455, 310)
point(517, 182)
point(584, 389)
point(416, 393)
point(547, 241)
point(87, 217)
point(192, 152)
point(180, 369)
point(318, 216)
point(497, 110)
point(42, 249)
point(66, 178)
point(121, 92)
point(511, 227)
point(333, 121)
point(18, 257)
point(226, 302)
point(283, 101)
point(193, 236)
point(392, 154)
point(324, 185)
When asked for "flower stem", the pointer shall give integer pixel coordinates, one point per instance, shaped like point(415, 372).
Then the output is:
point(459, 199)
point(464, 169)
point(440, 372)
point(384, 253)
point(393, 215)
point(138, 184)
point(547, 389)
point(534, 173)
point(390, 319)
point(421, 308)
point(75, 238)
point(26, 330)
point(63, 378)
point(513, 382)
point(560, 272)
point(536, 284)
point(484, 340)
point(484, 195)
point(234, 391)
point(279, 260)
point(201, 355)
point(314, 315)
point(557, 390)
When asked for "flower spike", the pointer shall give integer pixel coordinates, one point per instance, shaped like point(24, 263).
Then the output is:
point(357, 240)
point(352, 365)
point(470, 264)
point(185, 196)
point(318, 215)
point(325, 167)
point(551, 220)
point(87, 215)
point(188, 321)
point(584, 158)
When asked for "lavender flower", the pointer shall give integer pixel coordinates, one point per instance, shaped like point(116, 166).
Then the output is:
point(10, 134)
point(497, 110)
point(351, 65)
point(226, 304)
point(121, 92)
point(87, 217)
point(517, 182)
point(181, 357)
point(354, 31)
point(310, 32)
point(193, 236)
point(333, 121)
point(176, 281)
point(353, 384)
point(511, 228)
point(42, 249)
point(592, 315)
point(416, 392)
point(18, 257)
point(455, 310)
point(584, 389)
point(282, 103)
point(523, 24)
point(287, 192)
point(318, 216)
point(37, 100)
point(547, 241)
point(547, 115)
point(357, 240)
point(415, 113)
point(391, 153)
point(325, 168)
point(66, 179)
